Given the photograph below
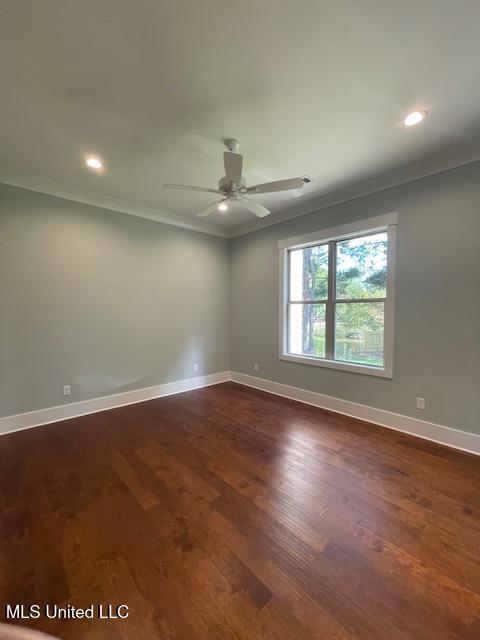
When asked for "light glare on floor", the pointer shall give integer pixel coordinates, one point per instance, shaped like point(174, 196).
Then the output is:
point(222, 207)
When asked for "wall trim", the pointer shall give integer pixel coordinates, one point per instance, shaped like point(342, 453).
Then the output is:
point(351, 229)
point(20, 421)
point(21, 180)
point(411, 173)
point(383, 182)
point(440, 434)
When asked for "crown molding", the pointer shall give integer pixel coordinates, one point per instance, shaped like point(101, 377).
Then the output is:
point(16, 178)
point(386, 181)
point(410, 173)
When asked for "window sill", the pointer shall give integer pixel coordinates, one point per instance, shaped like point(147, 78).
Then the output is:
point(335, 364)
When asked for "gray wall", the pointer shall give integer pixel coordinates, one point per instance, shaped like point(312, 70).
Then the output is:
point(103, 301)
point(437, 316)
point(107, 302)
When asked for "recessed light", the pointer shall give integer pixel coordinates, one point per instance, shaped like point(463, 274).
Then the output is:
point(222, 207)
point(94, 163)
point(413, 118)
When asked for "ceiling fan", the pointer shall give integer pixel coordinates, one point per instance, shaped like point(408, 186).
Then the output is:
point(233, 187)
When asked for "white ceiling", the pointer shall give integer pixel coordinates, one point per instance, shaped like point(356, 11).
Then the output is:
point(307, 86)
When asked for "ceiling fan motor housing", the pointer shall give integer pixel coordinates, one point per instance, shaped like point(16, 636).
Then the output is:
point(232, 145)
point(231, 188)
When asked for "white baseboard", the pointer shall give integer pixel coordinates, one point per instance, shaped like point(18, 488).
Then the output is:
point(440, 434)
point(40, 417)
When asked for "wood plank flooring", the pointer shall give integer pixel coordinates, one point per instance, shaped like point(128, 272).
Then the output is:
point(228, 513)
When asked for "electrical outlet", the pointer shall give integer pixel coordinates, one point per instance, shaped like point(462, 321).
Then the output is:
point(66, 389)
point(255, 367)
point(420, 403)
point(195, 367)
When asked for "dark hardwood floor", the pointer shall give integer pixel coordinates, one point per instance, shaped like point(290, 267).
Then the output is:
point(228, 513)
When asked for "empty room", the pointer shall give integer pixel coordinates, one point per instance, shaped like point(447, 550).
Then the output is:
point(239, 320)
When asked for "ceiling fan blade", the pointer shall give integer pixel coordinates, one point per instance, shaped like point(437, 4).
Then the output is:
point(188, 187)
point(210, 209)
point(278, 185)
point(233, 166)
point(256, 208)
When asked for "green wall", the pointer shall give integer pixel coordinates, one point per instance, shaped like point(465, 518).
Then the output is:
point(103, 301)
point(437, 315)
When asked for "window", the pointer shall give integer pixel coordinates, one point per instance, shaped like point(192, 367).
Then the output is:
point(337, 297)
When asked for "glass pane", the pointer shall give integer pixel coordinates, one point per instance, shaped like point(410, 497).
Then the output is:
point(359, 332)
point(362, 267)
point(306, 326)
point(309, 273)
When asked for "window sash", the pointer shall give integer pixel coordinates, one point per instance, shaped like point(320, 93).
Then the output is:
point(370, 364)
point(289, 284)
point(288, 335)
point(331, 301)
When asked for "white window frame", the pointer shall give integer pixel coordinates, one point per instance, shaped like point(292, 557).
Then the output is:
point(388, 223)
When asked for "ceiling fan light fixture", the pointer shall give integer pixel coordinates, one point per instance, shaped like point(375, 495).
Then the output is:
point(413, 118)
point(222, 207)
point(93, 162)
